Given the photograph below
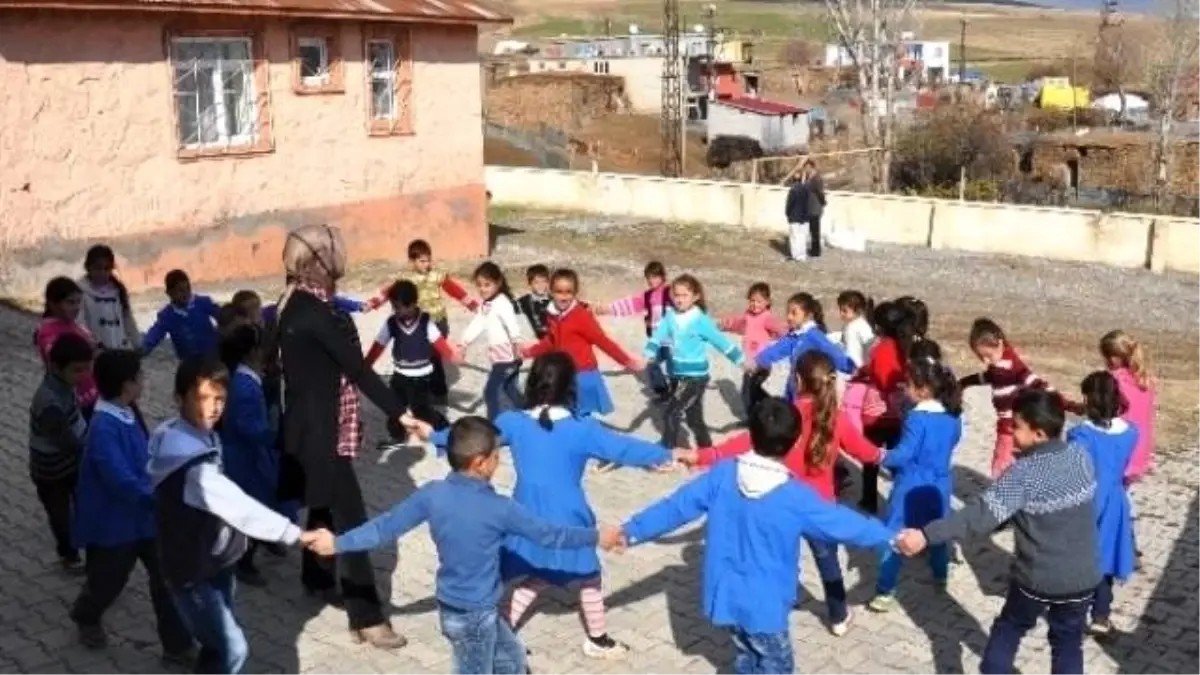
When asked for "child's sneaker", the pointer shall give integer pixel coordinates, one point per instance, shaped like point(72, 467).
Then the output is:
point(72, 565)
point(604, 647)
point(884, 602)
point(1100, 627)
point(92, 636)
point(842, 627)
point(956, 556)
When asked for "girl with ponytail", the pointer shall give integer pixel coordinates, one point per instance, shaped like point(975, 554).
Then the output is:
point(551, 446)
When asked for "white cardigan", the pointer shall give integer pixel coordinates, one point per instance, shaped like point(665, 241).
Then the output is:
point(497, 320)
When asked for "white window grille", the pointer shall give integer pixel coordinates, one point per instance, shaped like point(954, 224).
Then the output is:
point(382, 55)
point(314, 61)
point(214, 92)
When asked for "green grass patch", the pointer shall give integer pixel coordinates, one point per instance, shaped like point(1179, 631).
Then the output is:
point(783, 20)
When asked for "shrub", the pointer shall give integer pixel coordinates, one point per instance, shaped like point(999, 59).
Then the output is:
point(941, 142)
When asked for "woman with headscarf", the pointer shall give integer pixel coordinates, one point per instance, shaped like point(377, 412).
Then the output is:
point(322, 361)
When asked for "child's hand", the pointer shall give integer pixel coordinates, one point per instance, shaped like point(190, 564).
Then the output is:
point(910, 542)
point(471, 303)
point(612, 539)
point(319, 541)
point(637, 364)
point(600, 310)
point(418, 428)
point(686, 456)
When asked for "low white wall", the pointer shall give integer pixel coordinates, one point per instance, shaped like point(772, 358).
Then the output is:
point(1118, 239)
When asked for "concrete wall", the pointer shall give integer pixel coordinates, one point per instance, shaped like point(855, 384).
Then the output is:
point(90, 153)
point(642, 75)
point(1118, 239)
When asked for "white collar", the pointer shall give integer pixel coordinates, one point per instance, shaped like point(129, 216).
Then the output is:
point(1115, 427)
point(249, 372)
point(930, 406)
point(804, 327)
point(553, 308)
point(118, 411)
point(183, 311)
point(556, 413)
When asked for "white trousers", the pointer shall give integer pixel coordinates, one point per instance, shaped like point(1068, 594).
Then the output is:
point(798, 240)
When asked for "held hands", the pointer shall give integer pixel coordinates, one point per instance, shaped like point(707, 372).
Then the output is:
point(319, 542)
point(600, 310)
point(637, 364)
point(613, 539)
point(910, 542)
point(419, 428)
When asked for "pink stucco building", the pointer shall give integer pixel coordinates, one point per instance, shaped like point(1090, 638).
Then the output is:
point(196, 133)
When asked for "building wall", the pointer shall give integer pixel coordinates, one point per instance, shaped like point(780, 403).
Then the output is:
point(642, 75)
point(90, 151)
point(773, 132)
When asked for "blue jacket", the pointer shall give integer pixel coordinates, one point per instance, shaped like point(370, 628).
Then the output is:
point(114, 499)
point(1110, 450)
point(248, 442)
point(468, 522)
point(757, 515)
point(689, 334)
point(793, 345)
point(922, 473)
point(193, 329)
point(341, 302)
point(550, 465)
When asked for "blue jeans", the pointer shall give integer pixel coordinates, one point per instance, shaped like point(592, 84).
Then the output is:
point(500, 391)
point(825, 554)
point(481, 641)
point(658, 371)
point(889, 567)
point(762, 652)
point(206, 608)
point(1020, 613)
point(1102, 605)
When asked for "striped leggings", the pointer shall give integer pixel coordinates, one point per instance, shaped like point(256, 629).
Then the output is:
point(591, 603)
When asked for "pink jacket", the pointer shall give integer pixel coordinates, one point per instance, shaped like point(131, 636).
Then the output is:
point(48, 332)
point(1141, 415)
point(757, 330)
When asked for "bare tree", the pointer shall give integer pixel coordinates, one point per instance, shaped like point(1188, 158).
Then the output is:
point(1171, 66)
point(1117, 61)
point(868, 32)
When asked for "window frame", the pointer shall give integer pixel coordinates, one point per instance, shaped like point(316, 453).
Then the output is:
point(261, 141)
point(401, 123)
point(335, 82)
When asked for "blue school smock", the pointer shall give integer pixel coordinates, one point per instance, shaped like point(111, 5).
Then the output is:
point(922, 475)
point(247, 439)
point(1110, 450)
point(114, 498)
point(550, 465)
point(591, 394)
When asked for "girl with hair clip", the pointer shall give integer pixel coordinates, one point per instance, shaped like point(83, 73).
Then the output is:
point(550, 446)
point(826, 432)
point(1109, 441)
point(496, 319)
point(105, 310)
point(920, 463)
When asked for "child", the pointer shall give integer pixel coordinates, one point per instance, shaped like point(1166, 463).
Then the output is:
point(1125, 359)
point(689, 330)
point(189, 319)
point(757, 515)
point(496, 319)
point(550, 447)
point(415, 339)
point(204, 519)
point(57, 430)
point(922, 479)
point(824, 431)
point(652, 304)
point(806, 330)
point(105, 311)
point(1007, 375)
point(270, 313)
point(249, 456)
point(857, 336)
point(469, 523)
point(431, 284)
point(757, 326)
point(571, 328)
point(1110, 442)
point(248, 305)
point(536, 302)
point(114, 510)
point(63, 300)
point(1049, 492)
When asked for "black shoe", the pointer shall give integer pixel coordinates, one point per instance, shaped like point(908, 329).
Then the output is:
point(92, 636)
point(72, 565)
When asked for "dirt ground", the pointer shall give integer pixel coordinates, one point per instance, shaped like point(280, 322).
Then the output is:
point(1054, 312)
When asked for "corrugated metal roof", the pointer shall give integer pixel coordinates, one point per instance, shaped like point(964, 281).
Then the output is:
point(762, 106)
point(436, 11)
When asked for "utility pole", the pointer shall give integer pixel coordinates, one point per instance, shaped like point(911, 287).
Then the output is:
point(672, 120)
point(1074, 102)
point(710, 13)
point(962, 50)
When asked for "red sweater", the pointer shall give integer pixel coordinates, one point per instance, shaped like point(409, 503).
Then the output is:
point(819, 477)
point(577, 332)
point(1007, 377)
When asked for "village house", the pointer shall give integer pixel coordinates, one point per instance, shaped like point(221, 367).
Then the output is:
point(197, 133)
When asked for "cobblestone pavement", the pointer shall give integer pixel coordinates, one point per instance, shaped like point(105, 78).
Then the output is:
point(652, 590)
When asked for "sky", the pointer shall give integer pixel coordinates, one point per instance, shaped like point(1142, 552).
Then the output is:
point(1128, 5)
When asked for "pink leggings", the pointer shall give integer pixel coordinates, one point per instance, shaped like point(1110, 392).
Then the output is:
point(591, 603)
point(1002, 455)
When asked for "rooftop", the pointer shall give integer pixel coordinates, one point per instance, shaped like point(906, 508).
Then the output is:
point(424, 11)
point(763, 106)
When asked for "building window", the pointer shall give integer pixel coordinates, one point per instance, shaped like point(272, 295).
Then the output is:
point(220, 95)
point(316, 60)
point(389, 81)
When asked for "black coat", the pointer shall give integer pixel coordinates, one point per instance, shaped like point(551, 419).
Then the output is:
point(318, 344)
point(805, 200)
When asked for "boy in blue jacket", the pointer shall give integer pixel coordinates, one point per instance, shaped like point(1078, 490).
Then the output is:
point(757, 516)
point(469, 523)
point(188, 319)
point(114, 509)
point(806, 323)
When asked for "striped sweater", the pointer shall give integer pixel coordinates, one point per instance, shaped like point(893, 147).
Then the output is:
point(56, 430)
point(1007, 377)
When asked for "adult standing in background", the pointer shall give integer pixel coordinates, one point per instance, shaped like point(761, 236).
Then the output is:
point(805, 204)
point(322, 362)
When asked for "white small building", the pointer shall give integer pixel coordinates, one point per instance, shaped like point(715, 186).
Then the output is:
point(929, 60)
point(777, 127)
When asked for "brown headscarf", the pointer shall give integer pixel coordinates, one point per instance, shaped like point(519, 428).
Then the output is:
point(314, 255)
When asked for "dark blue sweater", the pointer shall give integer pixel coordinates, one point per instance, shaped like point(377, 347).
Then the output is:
point(192, 329)
point(114, 498)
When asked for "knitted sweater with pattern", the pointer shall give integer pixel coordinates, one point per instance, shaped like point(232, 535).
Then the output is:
point(1048, 493)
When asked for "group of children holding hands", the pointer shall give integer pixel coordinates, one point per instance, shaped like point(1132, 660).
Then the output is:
point(194, 500)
